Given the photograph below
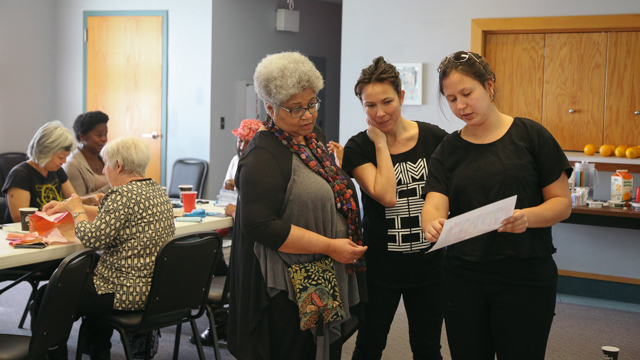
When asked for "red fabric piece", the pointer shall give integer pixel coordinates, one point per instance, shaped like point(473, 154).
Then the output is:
point(44, 226)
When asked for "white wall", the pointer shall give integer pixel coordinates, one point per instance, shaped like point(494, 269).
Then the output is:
point(41, 62)
point(212, 46)
point(189, 68)
point(427, 31)
point(27, 68)
point(243, 33)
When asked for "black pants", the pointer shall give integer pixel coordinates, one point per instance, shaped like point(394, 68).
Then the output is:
point(484, 319)
point(424, 313)
point(98, 338)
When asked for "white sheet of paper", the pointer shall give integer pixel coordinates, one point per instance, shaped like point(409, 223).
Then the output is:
point(475, 222)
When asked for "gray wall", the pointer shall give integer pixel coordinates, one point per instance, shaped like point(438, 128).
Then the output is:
point(426, 31)
point(41, 68)
point(245, 32)
point(27, 70)
point(189, 68)
point(212, 46)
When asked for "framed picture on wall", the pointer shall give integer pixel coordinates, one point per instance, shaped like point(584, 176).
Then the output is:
point(411, 77)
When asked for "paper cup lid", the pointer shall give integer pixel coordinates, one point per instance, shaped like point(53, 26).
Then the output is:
point(610, 348)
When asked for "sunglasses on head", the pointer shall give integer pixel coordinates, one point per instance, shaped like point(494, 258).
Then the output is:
point(460, 57)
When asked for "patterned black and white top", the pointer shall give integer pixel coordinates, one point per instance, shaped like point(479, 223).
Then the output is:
point(133, 221)
point(397, 255)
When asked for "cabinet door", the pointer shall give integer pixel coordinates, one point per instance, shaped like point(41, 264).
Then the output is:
point(621, 124)
point(518, 62)
point(574, 83)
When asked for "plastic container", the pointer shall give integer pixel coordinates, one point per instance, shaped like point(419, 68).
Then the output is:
point(585, 175)
point(621, 185)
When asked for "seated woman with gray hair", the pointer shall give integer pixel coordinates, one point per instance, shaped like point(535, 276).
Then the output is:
point(41, 179)
point(132, 221)
point(294, 206)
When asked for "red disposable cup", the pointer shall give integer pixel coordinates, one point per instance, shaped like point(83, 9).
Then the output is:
point(189, 200)
point(637, 199)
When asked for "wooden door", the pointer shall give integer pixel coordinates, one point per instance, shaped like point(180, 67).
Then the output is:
point(518, 62)
point(124, 78)
point(574, 82)
point(621, 123)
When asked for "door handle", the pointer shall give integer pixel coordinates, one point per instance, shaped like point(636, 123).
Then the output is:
point(153, 135)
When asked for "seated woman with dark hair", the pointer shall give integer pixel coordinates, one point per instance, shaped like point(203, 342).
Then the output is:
point(85, 165)
point(41, 179)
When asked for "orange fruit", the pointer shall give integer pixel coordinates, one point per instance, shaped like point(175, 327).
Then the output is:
point(621, 151)
point(590, 149)
point(626, 196)
point(605, 150)
point(632, 152)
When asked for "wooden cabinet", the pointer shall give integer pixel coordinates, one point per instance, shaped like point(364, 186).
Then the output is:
point(574, 83)
point(518, 62)
point(622, 110)
point(578, 76)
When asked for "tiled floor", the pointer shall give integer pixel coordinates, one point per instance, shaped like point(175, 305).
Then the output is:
point(607, 304)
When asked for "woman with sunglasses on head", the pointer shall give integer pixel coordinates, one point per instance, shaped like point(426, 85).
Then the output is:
point(500, 287)
point(389, 161)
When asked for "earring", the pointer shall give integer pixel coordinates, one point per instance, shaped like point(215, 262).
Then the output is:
point(491, 97)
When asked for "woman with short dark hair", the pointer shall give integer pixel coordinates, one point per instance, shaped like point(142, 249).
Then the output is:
point(389, 162)
point(85, 165)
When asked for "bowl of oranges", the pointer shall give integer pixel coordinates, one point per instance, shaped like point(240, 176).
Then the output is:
point(630, 152)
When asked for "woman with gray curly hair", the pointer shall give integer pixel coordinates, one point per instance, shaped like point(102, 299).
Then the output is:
point(41, 179)
point(295, 207)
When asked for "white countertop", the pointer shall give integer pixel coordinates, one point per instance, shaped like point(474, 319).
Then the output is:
point(577, 156)
point(10, 257)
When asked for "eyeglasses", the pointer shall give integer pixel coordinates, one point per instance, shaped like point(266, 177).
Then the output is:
point(299, 112)
point(460, 57)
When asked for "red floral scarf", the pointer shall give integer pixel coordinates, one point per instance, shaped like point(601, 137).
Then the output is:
point(326, 168)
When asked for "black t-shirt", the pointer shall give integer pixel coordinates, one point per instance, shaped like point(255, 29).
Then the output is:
point(397, 247)
point(522, 162)
point(43, 190)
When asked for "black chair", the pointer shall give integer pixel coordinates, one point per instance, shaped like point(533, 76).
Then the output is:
point(188, 171)
point(57, 313)
point(216, 300)
point(33, 275)
point(7, 162)
point(181, 279)
point(3, 208)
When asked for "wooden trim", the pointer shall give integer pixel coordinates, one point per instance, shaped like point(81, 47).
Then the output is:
point(614, 167)
point(600, 277)
point(607, 211)
point(555, 24)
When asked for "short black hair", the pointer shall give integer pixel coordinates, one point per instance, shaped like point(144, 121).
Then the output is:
point(86, 122)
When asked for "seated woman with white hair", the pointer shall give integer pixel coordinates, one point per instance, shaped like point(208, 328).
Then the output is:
point(130, 224)
point(41, 179)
